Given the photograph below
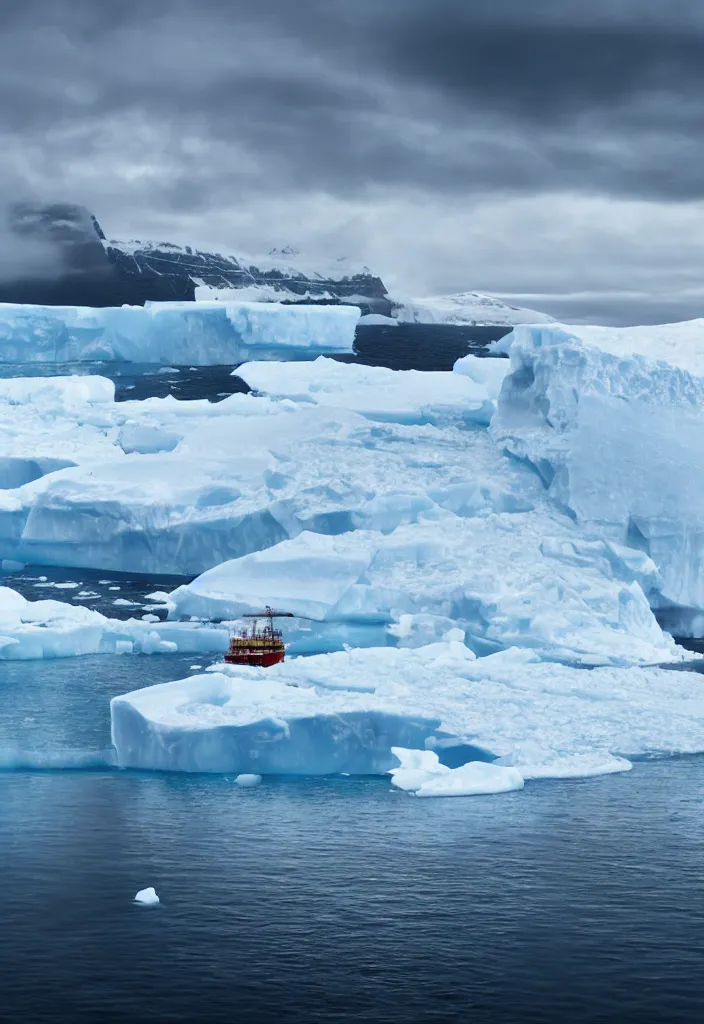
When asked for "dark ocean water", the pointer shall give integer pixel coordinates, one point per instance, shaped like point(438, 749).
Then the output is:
point(339, 900)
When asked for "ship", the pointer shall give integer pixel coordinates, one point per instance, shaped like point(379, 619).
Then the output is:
point(259, 647)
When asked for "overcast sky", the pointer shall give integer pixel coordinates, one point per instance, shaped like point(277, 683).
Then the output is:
point(547, 151)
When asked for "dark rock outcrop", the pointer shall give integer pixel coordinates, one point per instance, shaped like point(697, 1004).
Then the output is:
point(72, 263)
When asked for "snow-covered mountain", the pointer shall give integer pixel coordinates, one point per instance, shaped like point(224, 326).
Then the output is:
point(466, 309)
point(71, 262)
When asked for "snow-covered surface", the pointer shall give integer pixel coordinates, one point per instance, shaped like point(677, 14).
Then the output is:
point(55, 629)
point(489, 372)
point(377, 320)
point(397, 396)
point(201, 334)
point(465, 309)
point(618, 438)
point(358, 523)
point(422, 773)
point(344, 712)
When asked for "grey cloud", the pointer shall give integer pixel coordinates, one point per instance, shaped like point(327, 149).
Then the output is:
point(252, 101)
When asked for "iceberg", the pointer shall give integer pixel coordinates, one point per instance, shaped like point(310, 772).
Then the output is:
point(248, 781)
point(396, 396)
point(187, 333)
point(378, 494)
point(512, 579)
point(612, 419)
point(54, 629)
point(147, 897)
point(256, 726)
point(348, 711)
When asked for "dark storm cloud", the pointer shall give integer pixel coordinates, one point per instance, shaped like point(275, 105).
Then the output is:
point(344, 95)
point(171, 111)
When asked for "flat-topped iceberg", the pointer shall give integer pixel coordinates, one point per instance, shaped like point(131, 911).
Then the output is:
point(345, 712)
point(186, 333)
point(396, 396)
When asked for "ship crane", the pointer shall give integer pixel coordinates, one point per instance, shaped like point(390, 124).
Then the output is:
point(259, 647)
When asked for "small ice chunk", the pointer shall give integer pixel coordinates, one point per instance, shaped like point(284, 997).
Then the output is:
point(473, 779)
point(418, 767)
point(147, 897)
point(115, 588)
point(151, 618)
point(194, 667)
point(123, 603)
point(246, 781)
point(66, 586)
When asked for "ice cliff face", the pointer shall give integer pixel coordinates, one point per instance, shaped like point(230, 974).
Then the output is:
point(613, 420)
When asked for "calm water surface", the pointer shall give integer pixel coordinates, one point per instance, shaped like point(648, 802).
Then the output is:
point(340, 900)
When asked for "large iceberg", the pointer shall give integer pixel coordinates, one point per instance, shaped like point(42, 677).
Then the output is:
point(427, 519)
point(188, 333)
point(613, 420)
point(345, 712)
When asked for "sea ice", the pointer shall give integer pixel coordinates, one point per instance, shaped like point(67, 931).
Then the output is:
point(203, 333)
point(54, 629)
point(344, 712)
point(397, 396)
point(476, 778)
point(148, 897)
point(512, 579)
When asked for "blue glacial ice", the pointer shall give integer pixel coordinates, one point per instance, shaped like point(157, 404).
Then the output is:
point(344, 712)
point(413, 527)
point(56, 629)
point(185, 333)
point(613, 420)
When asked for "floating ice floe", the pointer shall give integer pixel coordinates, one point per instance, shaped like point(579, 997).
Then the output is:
point(344, 712)
point(147, 897)
point(55, 629)
point(248, 781)
point(202, 333)
point(396, 396)
point(422, 773)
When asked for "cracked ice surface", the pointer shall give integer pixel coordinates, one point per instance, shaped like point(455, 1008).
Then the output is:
point(344, 712)
point(427, 520)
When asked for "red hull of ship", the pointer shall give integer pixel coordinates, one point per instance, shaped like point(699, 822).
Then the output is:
point(264, 660)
